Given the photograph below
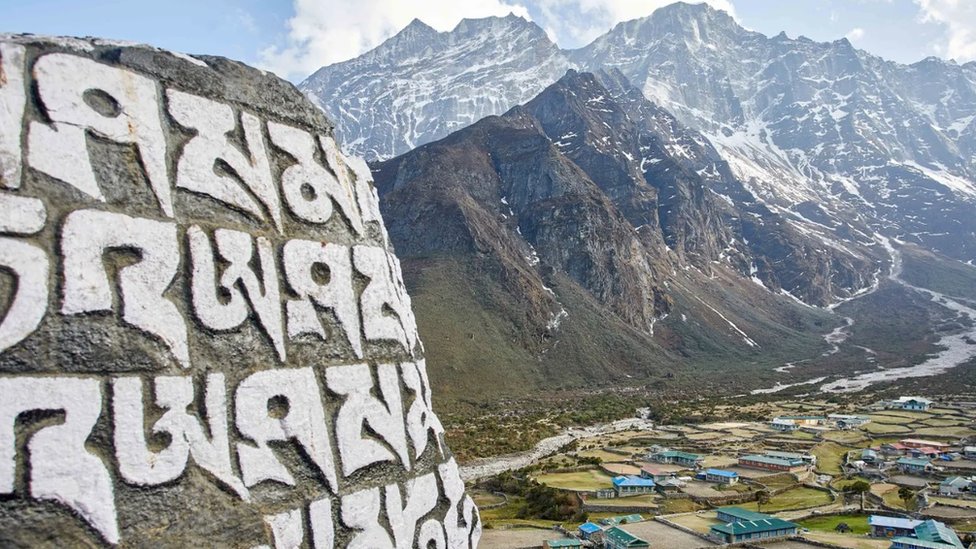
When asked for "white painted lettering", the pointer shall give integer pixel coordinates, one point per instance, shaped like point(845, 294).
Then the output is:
point(361, 512)
point(420, 416)
point(210, 148)
point(28, 263)
point(236, 249)
point(320, 517)
point(87, 236)
point(432, 531)
point(13, 98)
point(300, 258)
point(404, 515)
point(139, 465)
point(287, 529)
point(130, 114)
point(308, 187)
point(61, 468)
point(460, 526)
point(361, 408)
point(379, 294)
point(303, 421)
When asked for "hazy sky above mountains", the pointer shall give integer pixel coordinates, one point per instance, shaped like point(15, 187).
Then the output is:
point(293, 38)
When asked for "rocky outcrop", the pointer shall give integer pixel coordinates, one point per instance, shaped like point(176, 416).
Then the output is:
point(205, 339)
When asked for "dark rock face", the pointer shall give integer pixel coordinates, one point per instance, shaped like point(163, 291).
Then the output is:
point(205, 339)
point(500, 189)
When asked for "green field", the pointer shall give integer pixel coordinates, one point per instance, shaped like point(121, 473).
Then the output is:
point(951, 432)
point(885, 428)
point(485, 498)
point(774, 482)
point(830, 456)
point(649, 500)
point(954, 501)
point(907, 414)
point(844, 437)
point(828, 523)
point(938, 422)
point(671, 506)
point(797, 498)
point(888, 419)
point(889, 493)
point(842, 483)
point(508, 515)
point(586, 480)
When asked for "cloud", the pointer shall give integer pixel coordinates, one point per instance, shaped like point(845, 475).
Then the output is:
point(959, 19)
point(246, 21)
point(573, 23)
point(322, 32)
point(855, 34)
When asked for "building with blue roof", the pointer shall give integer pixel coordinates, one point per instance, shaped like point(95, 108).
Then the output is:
point(721, 476)
point(952, 486)
point(891, 527)
point(587, 529)
point(686, 459)
point(629, 485)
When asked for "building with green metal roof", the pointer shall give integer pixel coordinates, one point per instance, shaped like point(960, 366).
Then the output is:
point(930, 534)
point(913, 465)
point(618, 538)
point(771, 463)
point(678, 457)
point(736, 514)
point(753, 530)
point(562, 543)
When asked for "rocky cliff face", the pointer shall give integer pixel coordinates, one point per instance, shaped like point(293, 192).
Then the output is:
point(502, 191)
point(591, 184)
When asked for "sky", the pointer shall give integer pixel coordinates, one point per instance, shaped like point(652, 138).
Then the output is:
point(293, 38)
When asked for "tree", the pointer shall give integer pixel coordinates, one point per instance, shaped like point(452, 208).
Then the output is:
point(762, 498)
point(907, 495)
point(859, 487)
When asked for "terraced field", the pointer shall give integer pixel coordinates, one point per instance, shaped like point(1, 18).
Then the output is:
point(797, 498)
point(586, 480)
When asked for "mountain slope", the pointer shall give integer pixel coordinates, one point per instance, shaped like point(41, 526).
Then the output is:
point(725, 208)
point(556, 242)
point(801, 123)
point(420, 85)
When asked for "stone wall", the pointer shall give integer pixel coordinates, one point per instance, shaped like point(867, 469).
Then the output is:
point(205, 339)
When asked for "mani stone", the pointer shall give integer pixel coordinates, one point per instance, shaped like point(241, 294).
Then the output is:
point(205, 339)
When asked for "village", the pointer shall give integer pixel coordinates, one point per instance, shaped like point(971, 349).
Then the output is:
point(897, 474)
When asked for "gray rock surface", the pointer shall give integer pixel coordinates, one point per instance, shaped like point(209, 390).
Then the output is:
point(204, 335)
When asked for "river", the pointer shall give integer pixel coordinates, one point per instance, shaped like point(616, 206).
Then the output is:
point(486, 467)
point(956, 350)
